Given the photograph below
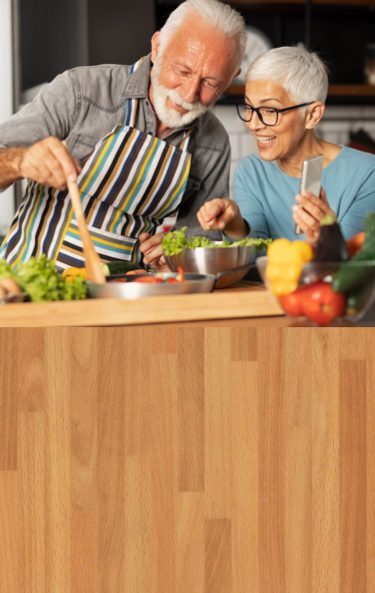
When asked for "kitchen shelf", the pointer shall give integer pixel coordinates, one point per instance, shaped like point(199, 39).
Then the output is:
point(335, 90)
point(351, 90)
point(255, 3)
point(242, 3)
point(339, 30)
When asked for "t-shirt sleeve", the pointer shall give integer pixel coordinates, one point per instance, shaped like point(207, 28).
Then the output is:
point(247, 193)
point(364, 202)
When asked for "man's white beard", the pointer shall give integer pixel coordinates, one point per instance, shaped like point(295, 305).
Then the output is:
point(167, 115)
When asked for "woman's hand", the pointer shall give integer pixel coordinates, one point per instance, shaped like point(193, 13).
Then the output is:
point(220, 214)
point(151, 248)
point(309, 211)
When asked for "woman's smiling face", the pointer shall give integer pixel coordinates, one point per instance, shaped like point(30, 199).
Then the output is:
point(283, 140)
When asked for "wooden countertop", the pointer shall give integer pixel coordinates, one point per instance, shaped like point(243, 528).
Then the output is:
point(168, 459)
point(242, 301)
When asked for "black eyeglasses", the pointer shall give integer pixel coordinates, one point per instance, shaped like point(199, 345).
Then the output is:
point(269, 116)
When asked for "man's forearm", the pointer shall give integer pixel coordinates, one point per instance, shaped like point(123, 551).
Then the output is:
point(10, 159)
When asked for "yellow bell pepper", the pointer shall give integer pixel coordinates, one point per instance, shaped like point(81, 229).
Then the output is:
point(70, 273)
point(285, 260)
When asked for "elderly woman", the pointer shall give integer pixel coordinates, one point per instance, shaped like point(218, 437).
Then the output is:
point(286, 90)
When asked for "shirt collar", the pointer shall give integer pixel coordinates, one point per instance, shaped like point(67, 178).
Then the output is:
point(138, 82)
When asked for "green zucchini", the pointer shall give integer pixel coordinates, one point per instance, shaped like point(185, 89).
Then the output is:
point(359, 300)
point(122, 267)
point(352, 275)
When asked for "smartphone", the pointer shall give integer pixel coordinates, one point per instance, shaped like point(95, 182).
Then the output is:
point(311, 178)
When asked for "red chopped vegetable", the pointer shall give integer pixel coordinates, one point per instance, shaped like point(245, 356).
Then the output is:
point(181, 274)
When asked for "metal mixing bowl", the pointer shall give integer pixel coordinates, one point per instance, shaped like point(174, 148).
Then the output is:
point(228, 264)
point(129, 287)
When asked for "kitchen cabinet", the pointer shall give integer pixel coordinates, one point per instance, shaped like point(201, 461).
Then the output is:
point(210, 457)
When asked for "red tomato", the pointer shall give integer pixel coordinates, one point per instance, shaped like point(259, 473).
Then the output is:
point(322, 304)
point(292, 302)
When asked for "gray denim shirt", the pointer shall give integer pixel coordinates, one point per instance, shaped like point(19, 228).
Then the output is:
point(84, 104)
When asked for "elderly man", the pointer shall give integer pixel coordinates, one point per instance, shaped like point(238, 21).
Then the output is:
point(138, 139)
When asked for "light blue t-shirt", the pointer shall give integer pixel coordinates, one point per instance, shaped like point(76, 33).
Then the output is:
point(265, 194)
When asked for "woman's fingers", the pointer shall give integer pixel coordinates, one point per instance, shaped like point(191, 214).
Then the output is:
point(209, 214)
point(316, 207)
point(309, 211)
point(217, 213)
point(308, 225)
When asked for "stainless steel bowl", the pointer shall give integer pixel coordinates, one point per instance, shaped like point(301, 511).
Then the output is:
point(129, 287)
point(229, 264)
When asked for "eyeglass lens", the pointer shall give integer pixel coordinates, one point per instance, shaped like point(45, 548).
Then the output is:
point(267, 115)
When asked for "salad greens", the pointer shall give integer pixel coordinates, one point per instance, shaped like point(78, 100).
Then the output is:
point(176, 241)
point(39, 279)
point(5, 270)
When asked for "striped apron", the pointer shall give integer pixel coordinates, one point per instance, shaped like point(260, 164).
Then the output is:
point(129, 184)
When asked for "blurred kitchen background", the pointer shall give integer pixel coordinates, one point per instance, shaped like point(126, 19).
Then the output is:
point(39, 39)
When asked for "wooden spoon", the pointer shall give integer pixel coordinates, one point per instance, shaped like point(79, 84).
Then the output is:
point(93, 266)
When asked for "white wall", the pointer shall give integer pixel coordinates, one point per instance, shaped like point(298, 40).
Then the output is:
point(6, 99)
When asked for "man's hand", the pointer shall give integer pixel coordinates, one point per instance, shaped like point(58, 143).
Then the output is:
point(152, 251)
point(47, 162)
point(309, 211)
point(220, 214)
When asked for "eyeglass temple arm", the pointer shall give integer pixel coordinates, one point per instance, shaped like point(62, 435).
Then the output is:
point(293, 107)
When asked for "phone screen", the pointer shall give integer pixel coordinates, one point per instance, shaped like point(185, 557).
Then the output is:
point(311, 178)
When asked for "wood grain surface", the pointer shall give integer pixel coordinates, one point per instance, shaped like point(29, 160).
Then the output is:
point(243, 301)
point(170, 459)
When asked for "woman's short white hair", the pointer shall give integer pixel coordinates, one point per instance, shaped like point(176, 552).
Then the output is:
point(214, 12)
point(300, 72)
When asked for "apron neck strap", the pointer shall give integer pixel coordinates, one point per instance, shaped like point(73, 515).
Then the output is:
point(131, 108)
point(131, 105)
point(185, 140)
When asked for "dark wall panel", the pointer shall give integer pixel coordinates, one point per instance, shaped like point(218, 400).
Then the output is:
point(60, 34)
point(120, 30)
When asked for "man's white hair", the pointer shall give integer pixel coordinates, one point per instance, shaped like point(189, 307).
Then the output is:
point(214, 12)
point(300, 72)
